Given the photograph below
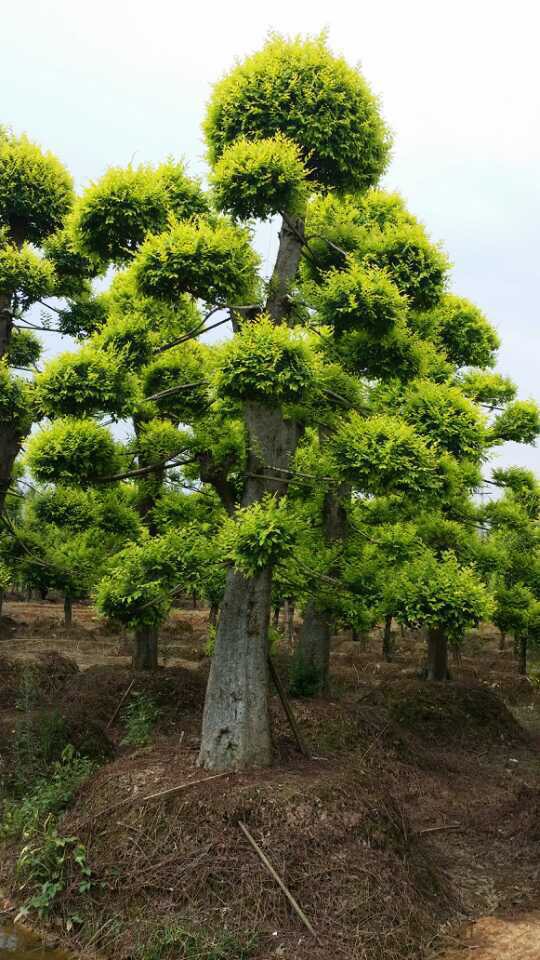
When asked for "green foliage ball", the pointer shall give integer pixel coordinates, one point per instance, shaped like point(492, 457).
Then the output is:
point(297, 88)
point(72, 452)
point(24, 275)
point(418, 267)
point(211, 261)
point(260, 178)
point(24, 348)
point(182, 366)
point(15, 402)
point(83, 383)
point(36, 192)
point(462, 329)
point(267, 363)
point(361, 299)
point(446, 417)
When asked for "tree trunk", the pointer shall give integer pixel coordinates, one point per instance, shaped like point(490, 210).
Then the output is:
point(68, 611)
point(318, 625)
point(1, 601)
point(289, 623)
point(275, 617)
point(437, 665)
point(6, 323)
point(313, 651)
point(522, 660)
point(145, 655)
point(387, 650)
point(236, 720)
point(213, 614)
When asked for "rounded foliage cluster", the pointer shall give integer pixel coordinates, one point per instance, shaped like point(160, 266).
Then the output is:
point(79, 384)
point(72, 267)
point(418, 267)
point(36, 192)
point(260, 178)
point(260, 535)
point(182, 372)
point(212, 261)
point(128, 338)
point(159, 440)
point(383, 455)
point(267, 363)
point(64, 507)
point(446, 417)
point(462, 329)
point(72, 451)
point(299, 89)
point(440, 594)
point(15, 402)
point(519, 421)
point(24, 348)
point(24, 275)
point(362, 299)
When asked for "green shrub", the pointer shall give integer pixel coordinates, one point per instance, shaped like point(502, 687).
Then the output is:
point(140, 717)
point(46, 866)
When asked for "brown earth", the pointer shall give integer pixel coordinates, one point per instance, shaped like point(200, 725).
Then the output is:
point(419, 811)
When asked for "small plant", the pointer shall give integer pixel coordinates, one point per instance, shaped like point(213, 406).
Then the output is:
point(140, 717)
point(305, 679)
point(210, 640)
point(46, 864)
point(177, 941)
point(49, 796)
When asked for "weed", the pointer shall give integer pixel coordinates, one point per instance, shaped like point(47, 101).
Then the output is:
point(177, 941)
point(46, 865)
point(305, 679)
point(140, 717)
point(49, 795)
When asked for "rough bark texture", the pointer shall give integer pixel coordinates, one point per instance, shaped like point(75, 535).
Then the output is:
point(68, 611)
point(522, 660)
point(6, 323)
point(236, 720)
point(10, 445)
point(437, 665)
point(387, 649)
point(318, 626)
point(145, 654)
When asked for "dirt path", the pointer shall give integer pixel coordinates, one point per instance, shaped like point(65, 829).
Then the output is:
point(498, 938)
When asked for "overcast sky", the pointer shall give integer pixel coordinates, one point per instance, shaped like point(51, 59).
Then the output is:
point(112, 81)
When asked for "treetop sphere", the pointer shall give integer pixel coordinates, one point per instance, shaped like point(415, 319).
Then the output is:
point(36, 191)
point(296, 87)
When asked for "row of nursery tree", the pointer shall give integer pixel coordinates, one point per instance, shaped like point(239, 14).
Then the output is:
point(328, 454)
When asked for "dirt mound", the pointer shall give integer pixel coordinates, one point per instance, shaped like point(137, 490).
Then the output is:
point(344, 849)
point(449, 711)
point(27, 684)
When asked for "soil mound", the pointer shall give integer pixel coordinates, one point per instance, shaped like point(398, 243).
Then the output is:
point(181, 863)
point(449, 711)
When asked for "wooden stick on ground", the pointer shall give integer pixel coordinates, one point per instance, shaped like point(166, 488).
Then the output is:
point(119, 704)
point(441, 826)
point(294, 904)
point(287, 708)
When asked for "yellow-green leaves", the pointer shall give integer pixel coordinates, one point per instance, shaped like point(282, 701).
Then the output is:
point(361, 299)
point(260, 535)
point(36, 192)
point(214, 262)
point(462, 329)
point(15, 402)
point(24, 275)
point(73, 452)
point(115, 214)
point(447, 419)
point(299, 89)
point(519, 421)
point(383, 455)
point(180, 375)
point(260, 178)
point(80, 384)
point(417, 266)
point(267, 363)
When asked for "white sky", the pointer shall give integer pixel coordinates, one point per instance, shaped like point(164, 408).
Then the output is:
point(103, 82)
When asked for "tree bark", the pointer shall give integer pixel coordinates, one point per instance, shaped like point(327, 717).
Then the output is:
point(236, 720)
point(387, 650)
point(318, 625)
point(275, 617)
point(6, 323)
point(289, 623)
point(68, 611)
point(145, 655)
point(522, 660)
point(213, 614)
point(437, 665)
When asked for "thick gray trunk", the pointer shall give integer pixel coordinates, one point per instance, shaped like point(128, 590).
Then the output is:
point(6, 323)
point(68, 611)
point(145, 654)
point(387, 650)
point(437, 665)
point(236, 721)
point(10, 445)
